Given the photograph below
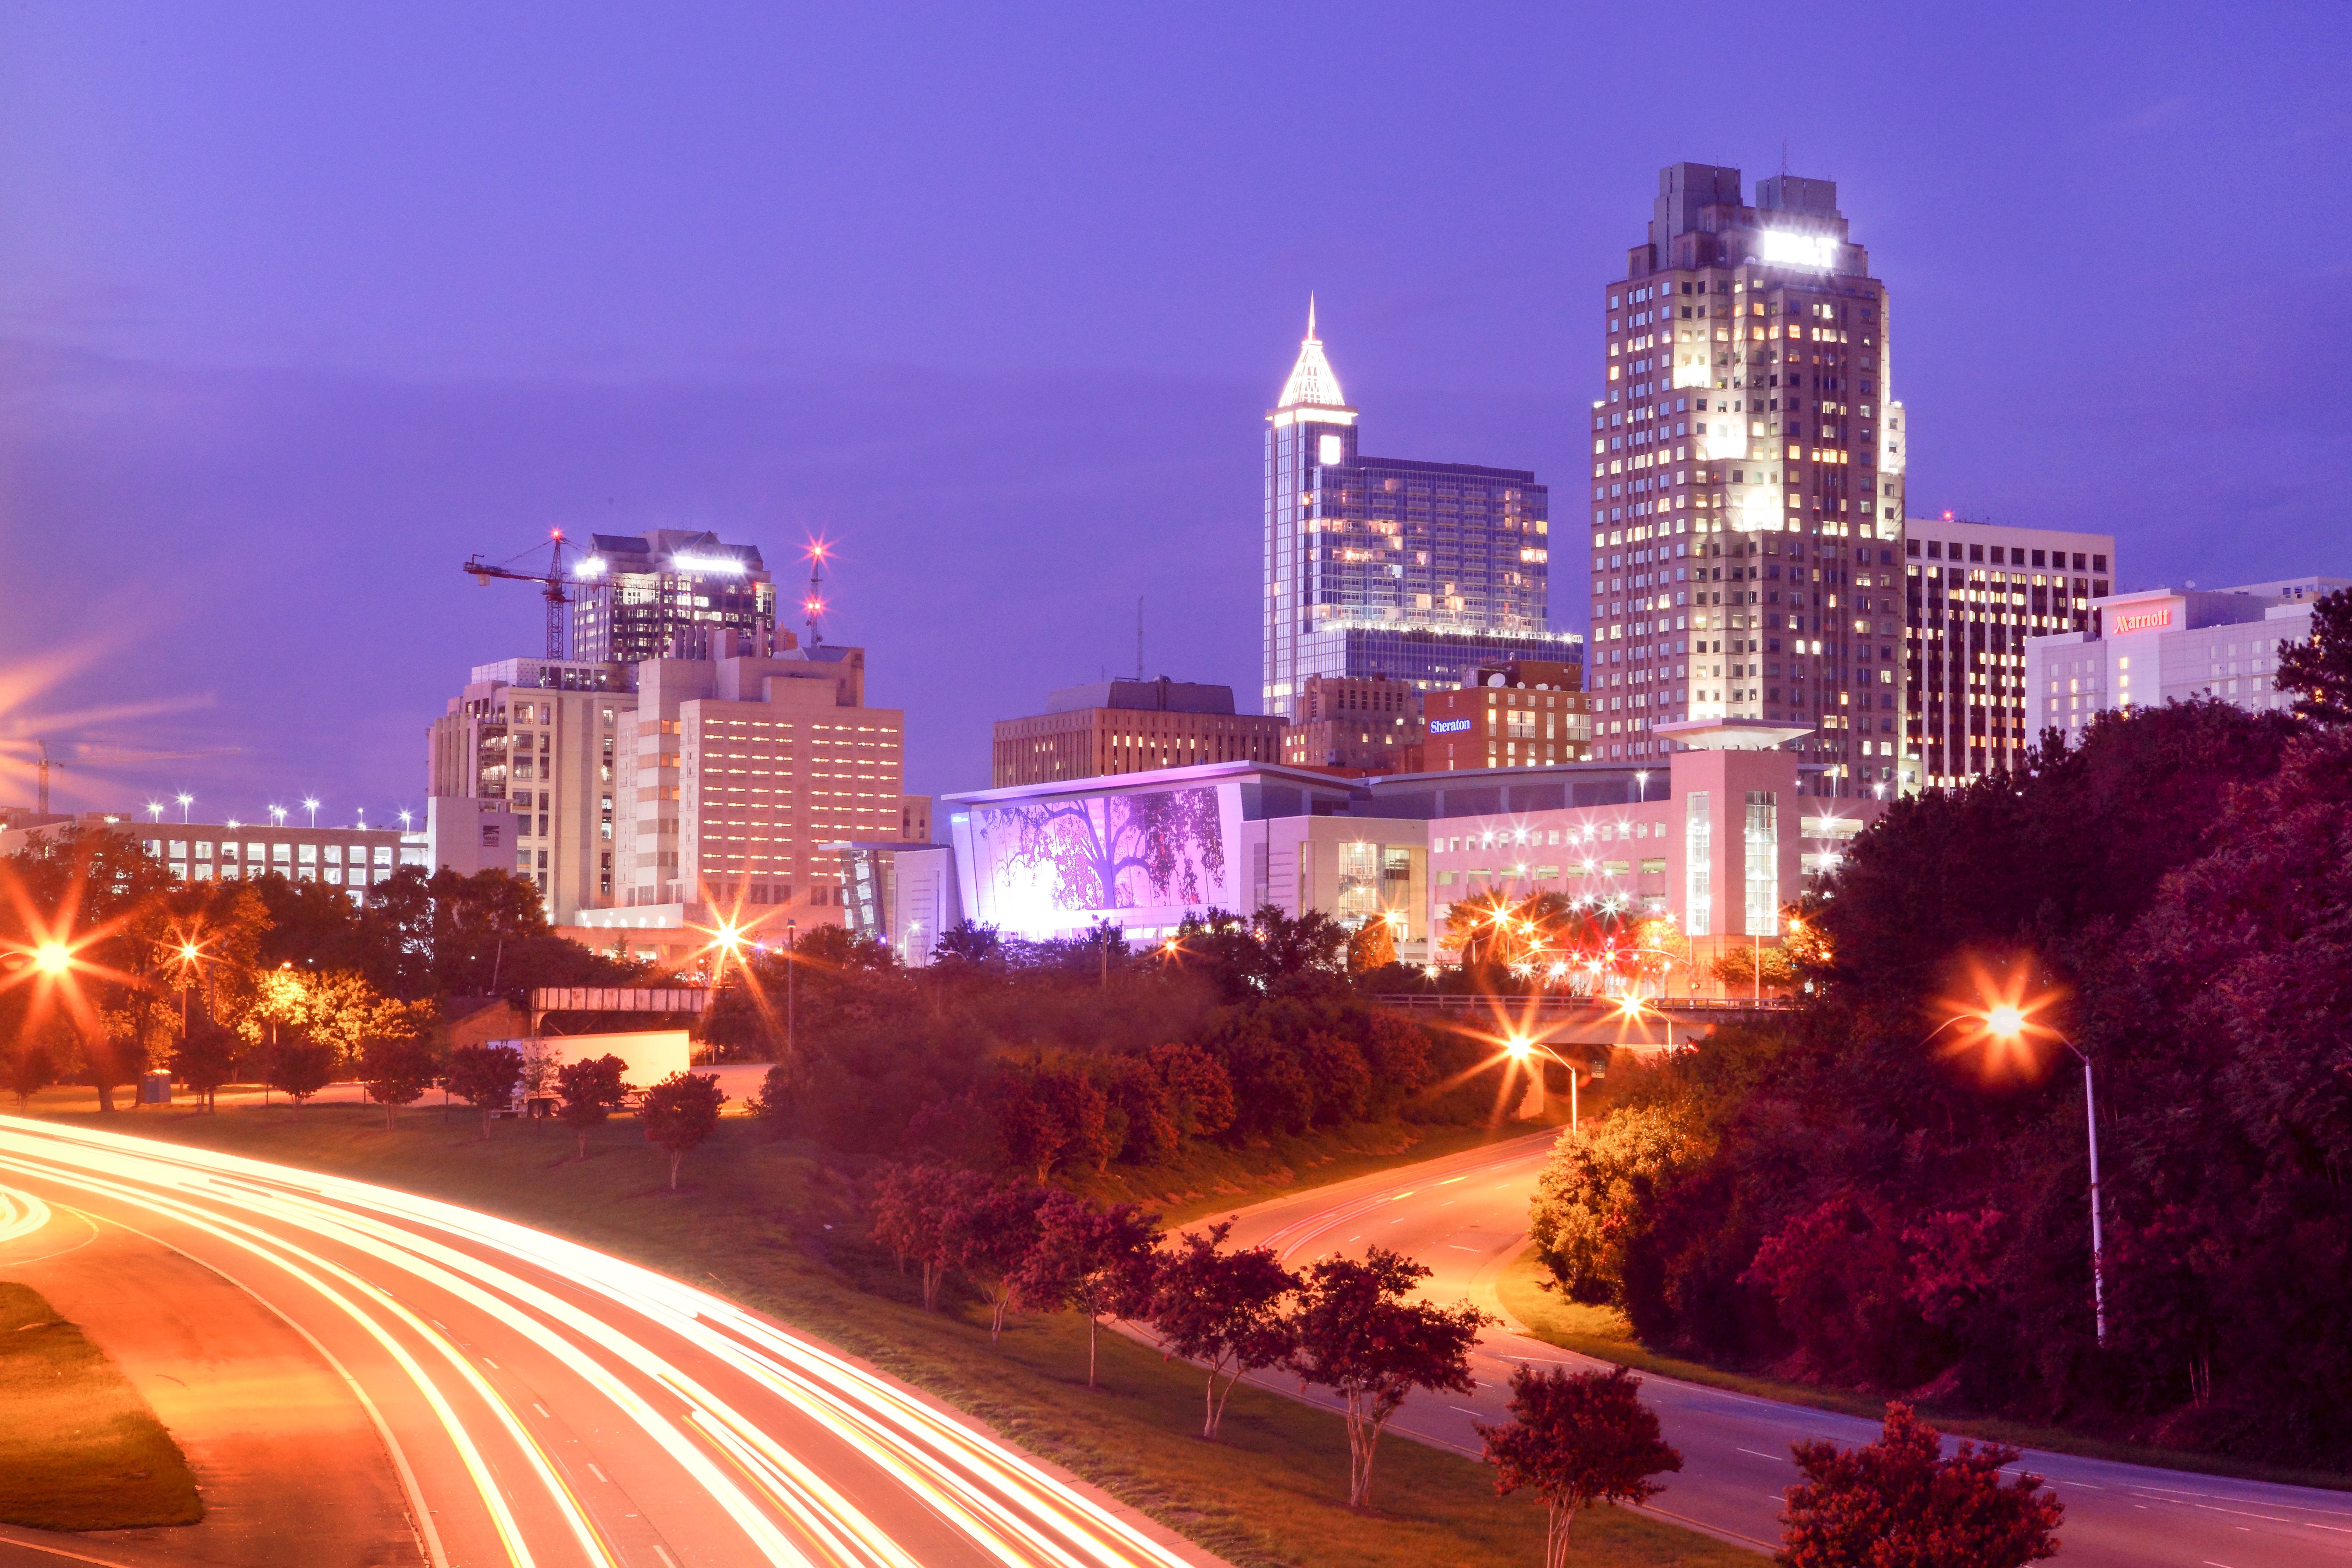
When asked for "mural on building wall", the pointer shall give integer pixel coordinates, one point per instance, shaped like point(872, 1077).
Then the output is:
point(1070, 858)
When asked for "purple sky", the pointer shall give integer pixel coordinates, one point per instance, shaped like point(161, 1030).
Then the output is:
point(301, 305)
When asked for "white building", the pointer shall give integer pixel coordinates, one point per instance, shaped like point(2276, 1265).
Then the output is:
point(2162, 644)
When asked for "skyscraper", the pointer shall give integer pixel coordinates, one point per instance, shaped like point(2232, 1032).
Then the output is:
point(1747, 462)
point(663, 593)
point(1386, 567)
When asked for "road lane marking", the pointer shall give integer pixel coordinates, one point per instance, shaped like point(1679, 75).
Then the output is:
point(535, 1405)
point(1776, 1458)
point(1451, 1180)
point(599, 1474)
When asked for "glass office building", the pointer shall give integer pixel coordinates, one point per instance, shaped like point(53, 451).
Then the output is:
point(1388, 567)
point(662, 594)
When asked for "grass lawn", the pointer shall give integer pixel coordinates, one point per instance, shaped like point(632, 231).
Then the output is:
point(79, 1448)
point(769, 1226)
point(1602, 1334)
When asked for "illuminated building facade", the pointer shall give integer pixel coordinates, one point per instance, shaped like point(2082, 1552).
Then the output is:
point(351, 858)
point(1385, 567)
point(1748, 461)
point(1362, 724)
point(2164, 645)
point(541, 737)
point(1528, 713)
point(665, 593)
point(1129, 727)
point(1973, 596)
point(734, 772)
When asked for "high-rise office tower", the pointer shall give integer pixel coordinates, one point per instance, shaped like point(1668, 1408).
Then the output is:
point(1386, 567)
point(1974, 594)
point(662, 594)
point(1748, 460)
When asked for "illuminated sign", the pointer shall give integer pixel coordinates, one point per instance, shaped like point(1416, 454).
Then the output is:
point(722, 565)
point(1448, 726)
point(1786, 248)
point(2154, 620)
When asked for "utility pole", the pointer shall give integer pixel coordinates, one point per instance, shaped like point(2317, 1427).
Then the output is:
point(1138, 638)
point(792, 971)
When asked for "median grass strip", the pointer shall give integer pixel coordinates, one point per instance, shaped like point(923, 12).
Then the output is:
point(1602, 1334)
point(79, 1448)
point(769, 1225)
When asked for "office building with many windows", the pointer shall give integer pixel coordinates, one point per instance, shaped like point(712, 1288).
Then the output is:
point(2165, 644)
point(666, 593)
point(539, 738)
point(1370, 724)
point(352, 858)
point(1974, 595)
point(1748, 461)
point(1388, 568)
point(1523, 714)
point(1129, 727)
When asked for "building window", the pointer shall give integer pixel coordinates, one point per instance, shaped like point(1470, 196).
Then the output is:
point(1698, 883)
point(1761, 841)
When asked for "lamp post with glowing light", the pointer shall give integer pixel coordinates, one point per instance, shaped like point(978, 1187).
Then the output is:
point(1523, 1051)
point(2009, 1024)
point(185, 800)
point(792, 970)
point(311, 805)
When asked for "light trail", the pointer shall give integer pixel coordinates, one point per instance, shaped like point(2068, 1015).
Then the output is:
point(801, 1458)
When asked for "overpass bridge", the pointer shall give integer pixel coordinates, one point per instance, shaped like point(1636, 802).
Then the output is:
point(1657, 1021)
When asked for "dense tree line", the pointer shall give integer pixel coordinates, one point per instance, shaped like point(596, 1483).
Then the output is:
point(1059, 1059)
point(286, 983)
point(1869, 1197)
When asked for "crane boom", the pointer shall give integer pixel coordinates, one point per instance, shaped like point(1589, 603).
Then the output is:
point(551, 584)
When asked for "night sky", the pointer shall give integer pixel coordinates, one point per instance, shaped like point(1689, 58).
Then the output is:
point(301, 305)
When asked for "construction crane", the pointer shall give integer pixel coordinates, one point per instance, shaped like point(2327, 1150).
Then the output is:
point(108, 758)
point(553, 587)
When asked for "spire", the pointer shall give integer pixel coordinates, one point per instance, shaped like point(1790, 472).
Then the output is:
point(1311, 380)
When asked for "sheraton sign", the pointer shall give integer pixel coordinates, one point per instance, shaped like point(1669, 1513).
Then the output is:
point(2139, 619)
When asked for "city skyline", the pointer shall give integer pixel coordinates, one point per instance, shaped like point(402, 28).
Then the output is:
point(291, 485)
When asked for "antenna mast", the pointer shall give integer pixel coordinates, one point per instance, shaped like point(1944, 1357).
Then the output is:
point(1138, 637)
point(814, 606)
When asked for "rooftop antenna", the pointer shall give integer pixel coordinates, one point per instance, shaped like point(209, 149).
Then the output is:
point(1138, 637)
point(814, 606)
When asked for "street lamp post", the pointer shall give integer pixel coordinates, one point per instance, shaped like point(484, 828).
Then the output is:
point(186, 800)
point(1524, 1048)
point(792, 970)
point(311, 805)
point(2008, 1021)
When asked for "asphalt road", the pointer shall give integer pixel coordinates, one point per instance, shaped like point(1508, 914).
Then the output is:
point(1466, 1216)
point(535, 1401)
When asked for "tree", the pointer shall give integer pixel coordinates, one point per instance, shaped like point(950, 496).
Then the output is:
point(299, 1068)
point(1222, 1309)
point(485, 1077)
point(1372, 948)
point(679, 1114)
point(396, 1070)
point(1096, 1261)
point(30, 1070)
point(911, 1205)
point(590, 1092)
point(1200, 1092)
point(1577, 1438)
point(1899, 1502)
point(969, 943)
point(988, 1232)
point(2321, 668)
point(1590, 1196)
point(206, 1057)
point(1354, 1332)
point(777, 1099)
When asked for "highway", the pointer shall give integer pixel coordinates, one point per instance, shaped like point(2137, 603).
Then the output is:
point(531, 1401)
point(1466, 1216)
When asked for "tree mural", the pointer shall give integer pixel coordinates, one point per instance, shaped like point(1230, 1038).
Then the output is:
point(1105, 852)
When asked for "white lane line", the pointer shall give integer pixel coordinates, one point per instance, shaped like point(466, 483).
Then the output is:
point(1459, 1247)
point(663, 1553)
point(1463, 1408)
point(488, 1363)
point(1451, 1180)
point(1776, 1458)
point(535, 1405)
point(599, 1474)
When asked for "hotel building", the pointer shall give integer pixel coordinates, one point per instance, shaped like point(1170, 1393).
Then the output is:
point(2164, 645)
point(1748, 460)
point(733, 774)
point(1130, 726)
point(1974, 594)
point(1523, 714)
point(1382, 567)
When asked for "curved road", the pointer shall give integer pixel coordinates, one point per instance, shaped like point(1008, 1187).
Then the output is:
point(535, 1402)
point(1467, 1217)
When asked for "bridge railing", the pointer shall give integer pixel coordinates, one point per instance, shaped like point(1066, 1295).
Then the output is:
point(1456, 1001)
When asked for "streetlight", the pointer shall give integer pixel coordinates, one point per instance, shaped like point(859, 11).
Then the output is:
point(1641, 783)
point(792, 968)
point(406, 817)
point(2010, 1024)
point(155, 811)
point(186, 800)
point(277, 815)
point(1522, 1050)
point(311, 805)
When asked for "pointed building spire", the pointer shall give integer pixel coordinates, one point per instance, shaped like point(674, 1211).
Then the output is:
point(1311, 381)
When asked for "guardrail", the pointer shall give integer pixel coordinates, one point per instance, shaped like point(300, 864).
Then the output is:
point(1455, 1002)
